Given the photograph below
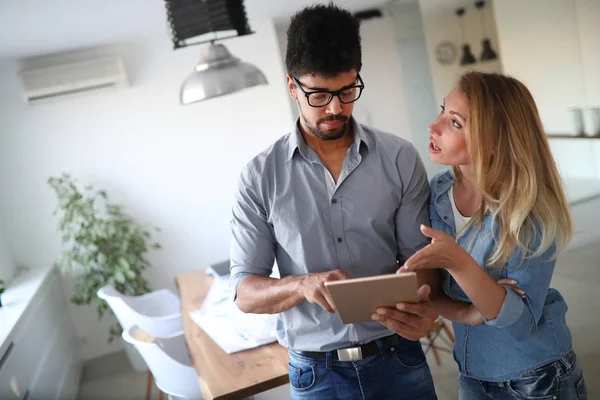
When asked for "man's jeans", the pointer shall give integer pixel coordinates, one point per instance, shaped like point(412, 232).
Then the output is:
point(400, 373)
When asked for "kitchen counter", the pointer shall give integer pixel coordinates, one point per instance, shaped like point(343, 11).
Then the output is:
point(18, 296)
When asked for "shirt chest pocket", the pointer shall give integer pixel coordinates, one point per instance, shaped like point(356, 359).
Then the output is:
point(295, 219)
point(368, 211)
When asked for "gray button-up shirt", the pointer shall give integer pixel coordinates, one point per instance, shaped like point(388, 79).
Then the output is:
point(288, 208)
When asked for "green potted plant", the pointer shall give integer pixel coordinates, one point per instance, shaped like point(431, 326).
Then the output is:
point(101, 244)
point(2, 289)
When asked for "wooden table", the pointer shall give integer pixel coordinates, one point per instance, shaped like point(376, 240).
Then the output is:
point(222, 375)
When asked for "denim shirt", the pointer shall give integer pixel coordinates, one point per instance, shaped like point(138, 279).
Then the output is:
point(527, 333)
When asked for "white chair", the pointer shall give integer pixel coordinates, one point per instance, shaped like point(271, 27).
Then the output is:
point(157, 313)
point(168, 361)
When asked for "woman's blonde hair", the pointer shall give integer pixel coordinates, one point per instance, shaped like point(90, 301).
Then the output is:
point(513, 166)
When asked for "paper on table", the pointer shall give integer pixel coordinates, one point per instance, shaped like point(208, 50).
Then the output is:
point(227, 326)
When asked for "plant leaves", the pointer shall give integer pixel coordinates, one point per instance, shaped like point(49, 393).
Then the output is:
point(101, 244)
point(120, 277)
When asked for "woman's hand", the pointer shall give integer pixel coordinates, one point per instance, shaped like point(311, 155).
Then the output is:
point(511, 284)
point(442, 252)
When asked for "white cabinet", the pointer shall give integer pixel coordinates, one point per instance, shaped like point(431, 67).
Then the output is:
point(40, 357)
point(585, 223)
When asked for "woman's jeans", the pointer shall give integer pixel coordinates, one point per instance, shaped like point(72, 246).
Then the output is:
point(560, 380)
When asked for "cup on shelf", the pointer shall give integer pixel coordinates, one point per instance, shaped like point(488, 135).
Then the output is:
point(576, 117)
point(592, 121)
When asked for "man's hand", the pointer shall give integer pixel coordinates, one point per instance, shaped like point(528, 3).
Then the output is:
point(409, 320)
point(314, 290)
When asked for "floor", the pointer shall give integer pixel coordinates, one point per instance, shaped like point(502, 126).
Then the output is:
point(111, 377)
point(577, 277)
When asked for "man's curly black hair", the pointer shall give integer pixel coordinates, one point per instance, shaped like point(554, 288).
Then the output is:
point(323, 40)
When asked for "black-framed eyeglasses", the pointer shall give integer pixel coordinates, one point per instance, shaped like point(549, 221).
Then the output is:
point(323, 97)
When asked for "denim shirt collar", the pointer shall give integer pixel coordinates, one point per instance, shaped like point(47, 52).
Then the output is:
point(440, 185)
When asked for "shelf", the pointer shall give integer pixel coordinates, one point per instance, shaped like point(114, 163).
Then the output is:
point(567, 136)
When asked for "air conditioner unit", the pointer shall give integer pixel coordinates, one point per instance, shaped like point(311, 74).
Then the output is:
point(72, 78)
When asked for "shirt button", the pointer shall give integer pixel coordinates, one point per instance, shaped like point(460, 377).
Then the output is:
point(440, 181)
point(334, 201)
point(339, 240)
point(445, 217)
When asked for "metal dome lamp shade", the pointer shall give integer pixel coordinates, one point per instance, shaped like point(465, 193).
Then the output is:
point(218, 72)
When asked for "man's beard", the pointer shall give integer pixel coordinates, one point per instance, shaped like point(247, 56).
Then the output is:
point(328, 135)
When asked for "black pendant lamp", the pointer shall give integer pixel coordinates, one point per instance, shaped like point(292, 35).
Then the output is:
point(487, 53)
point(467, 57)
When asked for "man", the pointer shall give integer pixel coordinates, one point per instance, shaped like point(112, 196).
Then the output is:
point(331, 200)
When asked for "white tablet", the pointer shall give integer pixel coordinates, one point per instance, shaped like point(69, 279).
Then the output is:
point(356, 299)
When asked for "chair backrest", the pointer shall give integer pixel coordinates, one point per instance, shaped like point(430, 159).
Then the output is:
point(157, 313)
point(168, 361)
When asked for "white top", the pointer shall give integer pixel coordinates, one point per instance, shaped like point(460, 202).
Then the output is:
point(331, 184)
point(460, 221)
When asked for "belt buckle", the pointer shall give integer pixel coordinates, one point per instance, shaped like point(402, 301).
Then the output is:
point(350, 354)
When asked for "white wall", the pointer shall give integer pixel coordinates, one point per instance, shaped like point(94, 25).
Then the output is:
point(441, 24)
point(416, 77)
point(539, 43)
point(383, 103)
point(281, 28)
point(7, 264)
point(587, 14)
point(553, 46)
point(171, 166)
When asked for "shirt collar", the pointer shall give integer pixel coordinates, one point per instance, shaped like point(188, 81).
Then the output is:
point(442, 183)
point(297, 142)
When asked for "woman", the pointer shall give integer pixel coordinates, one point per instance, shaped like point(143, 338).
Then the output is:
point(499, 213)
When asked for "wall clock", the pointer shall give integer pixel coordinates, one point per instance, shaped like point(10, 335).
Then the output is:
point(445, 53)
